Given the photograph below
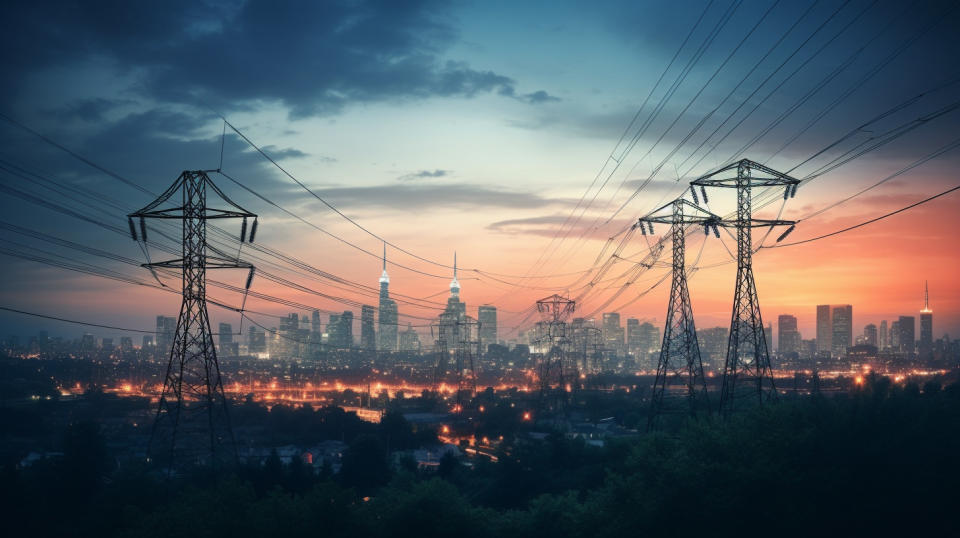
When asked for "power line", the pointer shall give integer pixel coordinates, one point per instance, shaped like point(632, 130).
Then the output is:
point(871, 221)
point(55, 318)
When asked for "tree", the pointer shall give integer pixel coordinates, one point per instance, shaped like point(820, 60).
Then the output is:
point(365, 464)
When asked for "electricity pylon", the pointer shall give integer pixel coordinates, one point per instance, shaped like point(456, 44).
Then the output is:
point(554, 343)
point(679, 361)
point(464, 333)
point(748, 359)
point(192, 423)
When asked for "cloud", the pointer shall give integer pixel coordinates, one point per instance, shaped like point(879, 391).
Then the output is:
point(313, 57)
point(533, 98)
point(287, 153)
point(424, 174)
point(412, 196)
point(551, 225)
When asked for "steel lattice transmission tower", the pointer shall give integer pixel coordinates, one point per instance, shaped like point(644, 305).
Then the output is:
point(679, 361)
point(464, 333)
point(747, 371)
point(553, 341)
point(192, 423)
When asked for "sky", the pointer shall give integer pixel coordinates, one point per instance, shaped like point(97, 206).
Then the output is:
point(526, 137)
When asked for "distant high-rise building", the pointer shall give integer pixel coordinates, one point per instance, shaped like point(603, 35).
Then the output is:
point(883, 336)
point(166, 329)
point(389, 317)
point(649, 345)
point(895, 336)
point(842, 334)
point(368, 337)
point(409, 340)
point(926, 325)
point(225, 335)
point(256, 340)
point(126, 344)
point(88, 342)
point(315, 324)
point(633, 336)
point(824, 330)
point(768, 336)
point(288, 338)
point(147, 342)
point(788, 337)
point(107, 344)
point(870, 335)
point(908, 325)
point(612, 332)
point(487, 316)
point(340, 330)
point(713, 346)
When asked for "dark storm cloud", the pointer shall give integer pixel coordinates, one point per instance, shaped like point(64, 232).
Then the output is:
point(424, 174)
point(314, 57)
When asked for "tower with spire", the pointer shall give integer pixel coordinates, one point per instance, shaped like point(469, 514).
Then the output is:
point(456, 310)
point(455, 284)
point(926, 325)
point(388, 316)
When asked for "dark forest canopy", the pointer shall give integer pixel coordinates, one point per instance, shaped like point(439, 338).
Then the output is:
point(880, 460)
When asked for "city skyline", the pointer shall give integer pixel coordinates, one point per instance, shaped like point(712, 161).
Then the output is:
point(550, 132)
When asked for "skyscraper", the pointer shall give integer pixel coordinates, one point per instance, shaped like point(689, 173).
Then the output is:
point(368, 338)
point(713, 346)
point(842, 333)
point(340, 330)
point(256, 340)
point(649, 345)
point(409, 339)
point(612, 332)
point(883, 336)
point(487, 316)
point(228, 348)
point(166, 328)
point(870, 335)
point(824, 331)
point(768, 336)
point(908, 343)
point(455, 312)
point(225, 335)
point(633, 337)
point(288, 337)
point(926, 325)
point(788, 337)
point(388, 320)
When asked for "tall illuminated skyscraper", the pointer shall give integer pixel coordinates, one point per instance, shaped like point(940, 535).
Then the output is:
point(388, 319)
point(926, 325)
point(455, 312)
